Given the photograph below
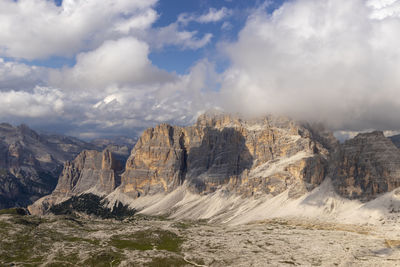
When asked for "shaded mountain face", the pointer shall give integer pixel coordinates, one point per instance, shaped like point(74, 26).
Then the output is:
point(30, 163)
point(96, 171)
point(91, 172)
point(396, 140)
point(366, 166)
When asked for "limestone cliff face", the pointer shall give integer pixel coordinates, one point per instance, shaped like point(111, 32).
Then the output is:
point(366, 166)
point(267, 155)
point(157, 162)
point(247, 157)
point(91, 171)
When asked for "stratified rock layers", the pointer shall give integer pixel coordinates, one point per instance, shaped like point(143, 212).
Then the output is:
point(157, 162)
point(267, 155)
point(243, 157)
point(366, 166)
point(90, 172)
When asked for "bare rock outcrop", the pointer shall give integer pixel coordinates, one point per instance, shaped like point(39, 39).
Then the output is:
point(157, 162)
point(366, 166)
point(266, 155)
point(30, 163)
point(91, 171)
point(246, 157)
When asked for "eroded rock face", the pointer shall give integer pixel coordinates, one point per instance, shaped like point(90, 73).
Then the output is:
point(366, 166)
point(266, 155)
point(90, 172)
point(245, 157)
point(31, 163)
point(157, 162)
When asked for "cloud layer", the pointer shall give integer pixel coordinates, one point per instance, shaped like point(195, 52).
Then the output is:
point(333, 61)
point(213, 15)
point(42, 102)
point(67, 29)
point(113, 86)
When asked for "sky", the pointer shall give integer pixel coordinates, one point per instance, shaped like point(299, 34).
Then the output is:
point(92, 68)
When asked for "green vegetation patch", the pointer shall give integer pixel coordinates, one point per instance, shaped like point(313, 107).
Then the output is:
point(28, 244)
point(92, 205)
point(104, 258)
point(74, 239)
point(31, 221)
point(4, 226)
point(149, 240)
point(20, 249)
point(64, 241)
point(14, 211)
point(64, 259)
point(131, 244)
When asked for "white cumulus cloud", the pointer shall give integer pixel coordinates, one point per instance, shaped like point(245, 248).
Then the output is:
point(42, 102)
point(325, 60)
point(172, 35)
point(32, 29)
point(38, 29)
point(332, 61)
point(213, 15)
point(178, 101)
point(120, 62)
point(19, 76)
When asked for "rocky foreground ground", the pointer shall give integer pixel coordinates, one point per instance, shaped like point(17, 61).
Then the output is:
point(157, 241)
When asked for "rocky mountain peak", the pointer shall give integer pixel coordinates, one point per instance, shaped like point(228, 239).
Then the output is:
point(218, 120)
point(4, 126)
point(24, 131)
point(95, 172)
point(228, 153)
point(265, 155)
point(91, 170)
point(30, 163)
point(367, 165)
point(369, 135)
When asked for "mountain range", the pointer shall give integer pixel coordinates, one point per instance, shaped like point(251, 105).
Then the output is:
point(30, 163)
point(231, 169)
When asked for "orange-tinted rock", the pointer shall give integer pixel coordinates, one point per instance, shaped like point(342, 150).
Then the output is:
point(157, 162)
point(266, 155)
